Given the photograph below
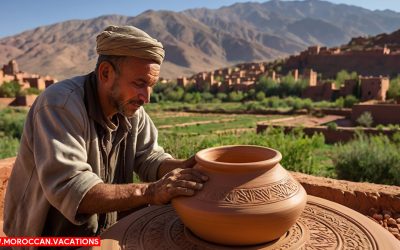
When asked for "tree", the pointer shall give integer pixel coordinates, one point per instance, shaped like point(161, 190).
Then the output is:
point(349, 101)
point(251, 94)
point(290, 87)
point(235, 96)
point(10, 89)
point(260, 96)
point(343, 75)
point(207, 96)
point(222, 96)
point(174, 95)
point(267, 85)
point(394, 89)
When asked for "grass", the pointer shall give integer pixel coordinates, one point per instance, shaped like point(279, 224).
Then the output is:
point(298, 150)
point(8, 146)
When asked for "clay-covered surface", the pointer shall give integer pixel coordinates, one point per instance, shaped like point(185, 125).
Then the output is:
point(322, 225)
point(360, 196)
point(380, 202)
point(5, 171)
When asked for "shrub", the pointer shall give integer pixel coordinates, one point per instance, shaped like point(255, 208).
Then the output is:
point(373, 159)
point(365, 119)
point(297, 149)
point(235, 96)
point(380, 127)
point(349, 101)
point(154, 98)
point(174, 95)
point(339, 102)
point(343, 75)
point(332, 126)
point(251, 94)
point(260, 96)
point(222, 96)
point(12, 122)
point(207, 96)
point(31, 91)
point(307, 104)
point(10, 89)
point(8, 146)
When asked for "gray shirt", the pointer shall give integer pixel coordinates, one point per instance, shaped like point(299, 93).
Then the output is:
point(60, 159)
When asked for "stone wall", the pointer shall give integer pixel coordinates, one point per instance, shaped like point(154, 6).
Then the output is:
point(341, 134)
point(381, 113)
point(358, 196)
point(319, 92)
point(346, 112)
point(6, 101)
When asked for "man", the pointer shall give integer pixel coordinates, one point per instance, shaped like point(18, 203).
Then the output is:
point(82, 141)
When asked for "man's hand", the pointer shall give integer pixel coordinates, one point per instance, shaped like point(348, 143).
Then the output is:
point(178, 182)
point(170, 164)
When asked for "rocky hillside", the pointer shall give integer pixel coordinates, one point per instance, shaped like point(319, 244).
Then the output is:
point(201, 39)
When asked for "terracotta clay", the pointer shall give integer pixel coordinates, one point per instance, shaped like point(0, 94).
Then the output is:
point(322, 225)
point(249, 197)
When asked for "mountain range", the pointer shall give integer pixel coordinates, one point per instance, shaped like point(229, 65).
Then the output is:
point(201, 39)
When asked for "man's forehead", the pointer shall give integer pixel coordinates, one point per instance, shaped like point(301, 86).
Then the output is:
point(142, 65)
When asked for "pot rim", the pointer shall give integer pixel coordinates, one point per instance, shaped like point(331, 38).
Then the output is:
point(241, 166)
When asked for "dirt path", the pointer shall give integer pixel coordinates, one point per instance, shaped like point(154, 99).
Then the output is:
point(304, 120)
point(195, 123)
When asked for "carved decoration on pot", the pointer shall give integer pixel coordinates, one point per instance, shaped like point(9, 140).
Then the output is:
point(249, 198)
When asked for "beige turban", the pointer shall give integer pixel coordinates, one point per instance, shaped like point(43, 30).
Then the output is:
point(129, 41)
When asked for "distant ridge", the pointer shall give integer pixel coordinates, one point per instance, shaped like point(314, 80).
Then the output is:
point(201, 39)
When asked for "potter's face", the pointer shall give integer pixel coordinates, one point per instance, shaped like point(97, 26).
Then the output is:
point(132, 87)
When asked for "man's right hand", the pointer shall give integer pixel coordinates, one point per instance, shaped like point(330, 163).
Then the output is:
point(178, 182)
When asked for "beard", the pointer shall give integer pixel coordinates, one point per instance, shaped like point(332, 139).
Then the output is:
point(126, 108)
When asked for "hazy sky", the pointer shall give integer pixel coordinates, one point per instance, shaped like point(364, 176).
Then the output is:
point(20, 15)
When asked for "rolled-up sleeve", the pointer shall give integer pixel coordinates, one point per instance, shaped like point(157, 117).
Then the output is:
point(61, 160)
point(149, 155)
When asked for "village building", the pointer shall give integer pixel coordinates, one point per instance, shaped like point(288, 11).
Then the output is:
point(241, 77)
point(374, 88)
point(11, 72)
point(329, 61)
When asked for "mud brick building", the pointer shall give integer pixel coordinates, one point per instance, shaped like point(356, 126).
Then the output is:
point(328, 61)
point(374, 88)
point(10, 72)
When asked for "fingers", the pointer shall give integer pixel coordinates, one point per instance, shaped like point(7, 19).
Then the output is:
point(180, 191)
point(189, 163)
point(188, 184)
point(192, 174)
point(179, 182)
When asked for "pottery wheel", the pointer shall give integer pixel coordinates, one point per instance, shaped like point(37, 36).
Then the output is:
point(322, 225)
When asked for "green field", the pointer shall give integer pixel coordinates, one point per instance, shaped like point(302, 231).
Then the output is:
point(183, 134)
point(206, 124)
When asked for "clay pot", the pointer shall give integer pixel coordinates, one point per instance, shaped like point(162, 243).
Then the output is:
point(249, 197)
